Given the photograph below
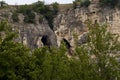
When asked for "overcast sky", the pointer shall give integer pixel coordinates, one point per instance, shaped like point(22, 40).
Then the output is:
point(31, 1)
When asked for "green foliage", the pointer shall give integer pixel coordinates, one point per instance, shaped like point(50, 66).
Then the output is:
point(24, 9)
point(12, 55)
point(104, 45)
point(40, 8)
point(118, 4)
point(3, 4)
point(29, 17)
point(85, 3)
point(82, 3)
point(19, 63)
point(111, 3)
point(15, 17)
point(27, 11)
point(46, 11)
point(55, 7)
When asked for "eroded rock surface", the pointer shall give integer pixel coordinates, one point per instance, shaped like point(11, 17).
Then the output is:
point(68, 24)
point(29, 34)
point(72, 21)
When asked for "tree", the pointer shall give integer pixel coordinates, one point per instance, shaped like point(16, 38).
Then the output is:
point(104, 45)
point(39, 7)
point(3, 4)
point(85, 3)
point(55, 7)
point(13, 55)
point(111, 3)
point(18, 62)
point(82, 3)
point(27, 11)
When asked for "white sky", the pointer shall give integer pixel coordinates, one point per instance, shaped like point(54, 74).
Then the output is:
point(31, 1)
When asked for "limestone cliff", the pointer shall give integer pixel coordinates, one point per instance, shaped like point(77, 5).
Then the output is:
point(72, 21)
point(30, 34)
point(67, 23)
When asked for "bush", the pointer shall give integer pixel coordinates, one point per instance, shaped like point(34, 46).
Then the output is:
point(13, 56)
point(19, 63)
point(39, 7)
point(29, 17)
point(103, 44)
point(15, 17)
point(85, 3)
point(27, 11)
point(82, 3)
point(24, 8)
point(55, 7)
point(55, 65)
point(111, 3)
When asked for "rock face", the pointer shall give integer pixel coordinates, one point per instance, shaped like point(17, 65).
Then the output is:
point(68, 24)
point(72, 21)
point(30, 34)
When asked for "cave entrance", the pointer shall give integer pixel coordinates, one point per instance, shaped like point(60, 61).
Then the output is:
point(45, 40)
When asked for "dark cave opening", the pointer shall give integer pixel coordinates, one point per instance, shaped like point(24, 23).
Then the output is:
point(68, 46)
point(45, 40)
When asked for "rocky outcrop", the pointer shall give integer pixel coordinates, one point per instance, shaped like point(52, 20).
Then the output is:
point(72, 21)
point(30, 34)
point(68, 24)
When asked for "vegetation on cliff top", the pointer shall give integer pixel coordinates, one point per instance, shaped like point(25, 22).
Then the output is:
point(111, 3)
point(17, 62)
point(82, 3)
point(48, 12)
point(86, 3)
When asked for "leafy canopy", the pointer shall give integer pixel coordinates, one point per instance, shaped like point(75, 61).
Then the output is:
point(17, 62)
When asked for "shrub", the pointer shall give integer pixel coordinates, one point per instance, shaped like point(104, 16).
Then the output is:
point(103, 44)
point(24, 9)
point(15, 17)
point(17, 62)
point(85, 3)
point(111, 3)
point(39, 7)
point(29, 16)
point(82, 3)
point(46, 11)
point(12, 54)
point(27, 11)
point(55, 7)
